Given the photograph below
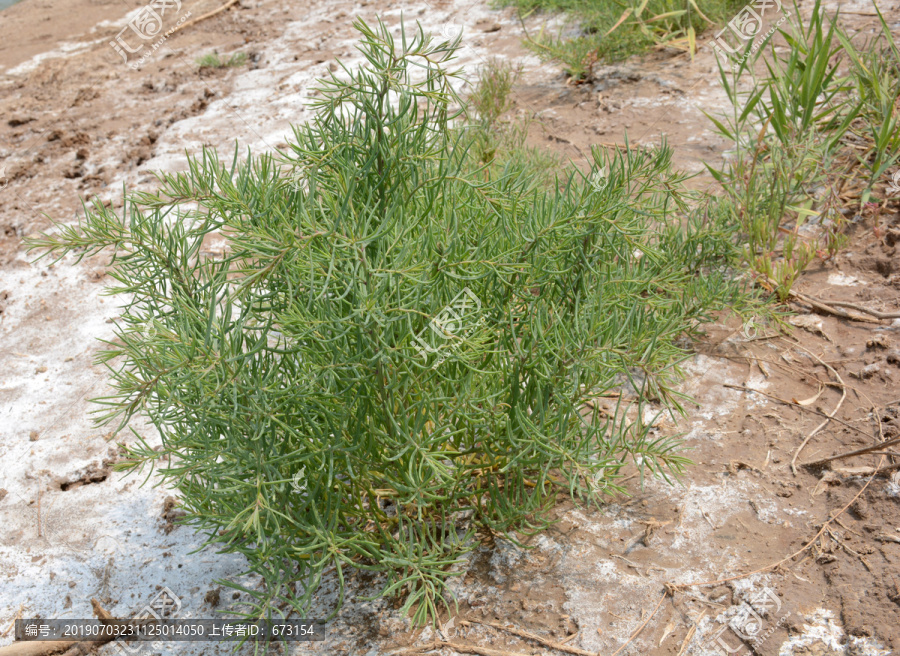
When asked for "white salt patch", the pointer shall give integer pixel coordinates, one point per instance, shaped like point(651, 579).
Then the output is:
point(708, 375)
point(893, 489)
point(65, 49)
point(821, 627)
point(607, 570)
point(841, 279)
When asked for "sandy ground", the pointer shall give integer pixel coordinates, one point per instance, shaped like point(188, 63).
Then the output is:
point(79, 122)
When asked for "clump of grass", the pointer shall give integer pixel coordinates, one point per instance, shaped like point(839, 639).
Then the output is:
point(797, 132)
point(875, 76)
point(215, 60)
point(497, 141)
point(396, 354)
point(768, 198)
point(610, 31)
point(490, 99)
point(492, 95)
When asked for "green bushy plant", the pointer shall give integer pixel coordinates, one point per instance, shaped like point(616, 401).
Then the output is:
point(394, 353)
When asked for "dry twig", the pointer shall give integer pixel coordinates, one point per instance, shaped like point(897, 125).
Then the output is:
point(843, 546)
point(828, 418)
point(530, 636)
point(867, 471)
point(463, 649)
point(850, 454)
point(12, 624)
point(860, 308)
point(827, 306)
point(690, 634)
point(630, 564)
point(208, 14)
point(70, 647)
point(641, 627)
point(744, 388)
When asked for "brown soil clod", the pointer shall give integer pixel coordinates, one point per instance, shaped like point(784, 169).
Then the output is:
point(171, 515)
point(93, 474)
point(212, 596)
point(734, 466)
